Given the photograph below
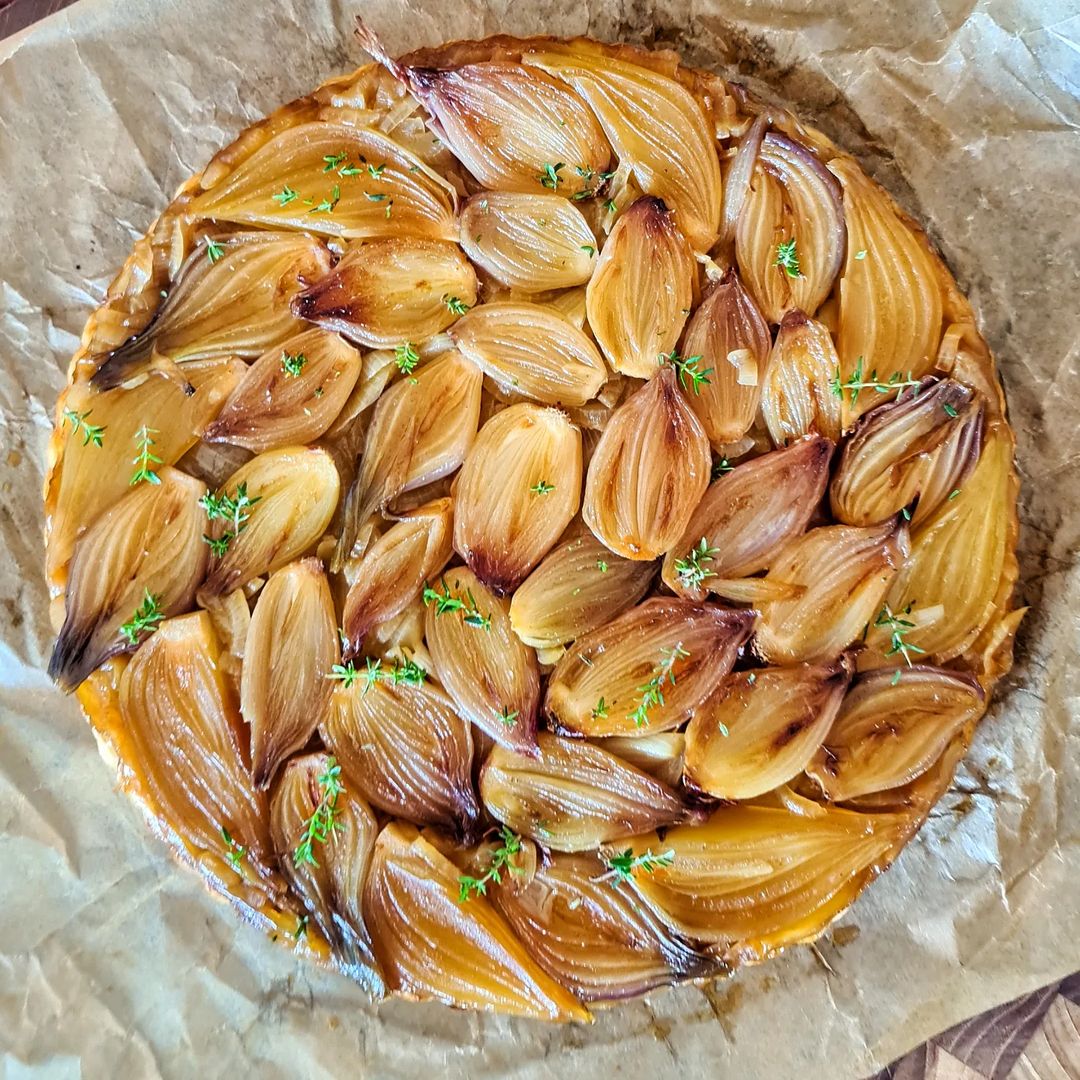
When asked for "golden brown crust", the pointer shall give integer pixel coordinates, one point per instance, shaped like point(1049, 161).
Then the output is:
point(135, 294)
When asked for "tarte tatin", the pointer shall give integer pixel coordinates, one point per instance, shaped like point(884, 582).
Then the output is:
point(532, 524)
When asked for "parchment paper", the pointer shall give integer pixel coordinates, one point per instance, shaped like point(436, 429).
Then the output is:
point(116, 963)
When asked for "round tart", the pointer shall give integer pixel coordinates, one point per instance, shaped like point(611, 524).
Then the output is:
point(532, 524)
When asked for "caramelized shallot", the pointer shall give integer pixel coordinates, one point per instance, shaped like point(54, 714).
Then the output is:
point(746, 516)
point(528, 242)
point(733, 341)
point(891, 730)
point(648, 472)
point(574, 796)
point(291, 494)
point(579, 586)
point(290, 395)
point(503, 530)
point(844, 574)
point(491, 676)
point(331, 881)
point(432, 945)
point(385, 292)
point(290, 650)
point(140, 562)
point(393, 570)
point(404, 749)
point(530, 349)
point(647, 670)
point(759, 728)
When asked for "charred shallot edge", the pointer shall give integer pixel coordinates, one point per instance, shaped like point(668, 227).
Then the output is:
point(404, 749)
point(574, 796)
point(384, 292)
point(647, 670)
point(648, 472)
point(746, 517)
point(432, 945)
point(139, 563)
point(330, 879)
point(890, 731)
point(234, 305)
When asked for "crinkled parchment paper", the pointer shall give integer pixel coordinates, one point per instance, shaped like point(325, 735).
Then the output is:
point(116, 963)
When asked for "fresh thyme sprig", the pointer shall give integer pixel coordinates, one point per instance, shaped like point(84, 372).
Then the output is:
point(446, 601)
point(236, 509)
point(146, 618)
point(214, 250)
point(373, 671)
point(92, 433)
point(501, 860)
point(145, 459)
point(285, 196)
point(856, 384)
point(406, 357)
point(549, 175)
point(455, 305)
point(686, 367)
point(652, 693)
point(234, 852)
point(323, 820)
point(507, 717)
point(292, 363)
point(588, 175)
point(542, 487)
point(327, 205)
point(720, 467)
point(621, 867)
point(898, 628)
point(599, 711)
point(787, 258)
point(691, 570)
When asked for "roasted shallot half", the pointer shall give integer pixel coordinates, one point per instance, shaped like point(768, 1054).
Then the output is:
point(139, 563)
point(891, 730)
point(503, 530)
point(310, 802)
point(759, 728)
point(642, 290)
point(648, 472)
point(290, 652)
point(647, 670)
point(574, 796)
point(430, 943)
point(745, 518)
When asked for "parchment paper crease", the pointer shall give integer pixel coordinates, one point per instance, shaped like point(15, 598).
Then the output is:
point(115, 963)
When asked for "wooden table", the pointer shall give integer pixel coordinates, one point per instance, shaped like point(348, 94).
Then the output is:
point(1033, 1038)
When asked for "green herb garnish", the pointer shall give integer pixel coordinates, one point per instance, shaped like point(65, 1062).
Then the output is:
point(146, 618)
point(91, 433)
point(323, 820)
point(500, 860)
point(145, 459)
